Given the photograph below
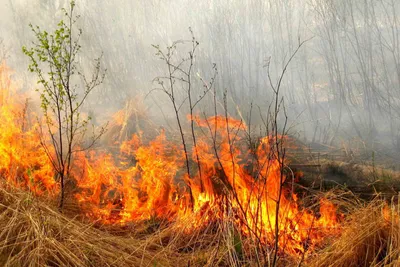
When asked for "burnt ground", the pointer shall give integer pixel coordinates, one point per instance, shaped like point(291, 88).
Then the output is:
point(364, 173)
point(364, 181)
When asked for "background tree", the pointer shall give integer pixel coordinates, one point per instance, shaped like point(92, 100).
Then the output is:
point(342, 87)
point(53, 58)
point(3, 51)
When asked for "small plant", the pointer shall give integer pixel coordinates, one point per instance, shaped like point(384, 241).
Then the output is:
point(179, 76)
point(53, 58)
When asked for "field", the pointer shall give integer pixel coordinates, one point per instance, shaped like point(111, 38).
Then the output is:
point(35, 233)
point(132, 203)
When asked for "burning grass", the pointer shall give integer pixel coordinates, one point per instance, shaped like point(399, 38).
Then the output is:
point(233, 190)
point(34, 234)
point(237, 206)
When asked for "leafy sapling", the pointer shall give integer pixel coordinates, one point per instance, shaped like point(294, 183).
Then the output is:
point(54, 59)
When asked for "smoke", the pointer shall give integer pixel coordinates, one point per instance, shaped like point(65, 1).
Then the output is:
point(342, 85)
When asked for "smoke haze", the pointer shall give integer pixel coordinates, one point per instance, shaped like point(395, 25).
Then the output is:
point(343, 84)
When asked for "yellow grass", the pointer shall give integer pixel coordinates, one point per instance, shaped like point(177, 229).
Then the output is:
point(370, 237)
point(34, 233)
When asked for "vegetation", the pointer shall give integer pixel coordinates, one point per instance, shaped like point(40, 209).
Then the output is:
point(33, 233)
point(223, 185)
point(54, 59)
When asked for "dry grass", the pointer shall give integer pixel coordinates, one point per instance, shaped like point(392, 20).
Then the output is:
point(133, 118)
point(370, 237)
point(361, 172)
point(34, 234)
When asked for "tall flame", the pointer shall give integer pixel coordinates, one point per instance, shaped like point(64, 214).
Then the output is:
point(148, 180)
point(23, 161)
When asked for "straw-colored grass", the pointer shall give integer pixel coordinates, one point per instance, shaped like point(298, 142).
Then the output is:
point(370, 237)
point(32, 233)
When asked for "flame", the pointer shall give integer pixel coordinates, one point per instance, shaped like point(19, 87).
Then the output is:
point(23, 161)
point(149, 180)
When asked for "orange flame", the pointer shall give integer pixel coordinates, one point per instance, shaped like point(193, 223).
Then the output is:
point(150, 182)
point(23, 161)
point(147, 181)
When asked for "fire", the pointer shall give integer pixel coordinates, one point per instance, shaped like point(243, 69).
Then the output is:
point(148, 180)
point(23, 161)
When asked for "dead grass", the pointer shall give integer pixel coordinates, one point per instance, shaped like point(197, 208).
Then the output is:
point(133, 118)
point(370, 237)
point(361, 172)
point(33, 233)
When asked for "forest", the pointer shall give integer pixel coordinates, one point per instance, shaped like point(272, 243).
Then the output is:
point(199, 133)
